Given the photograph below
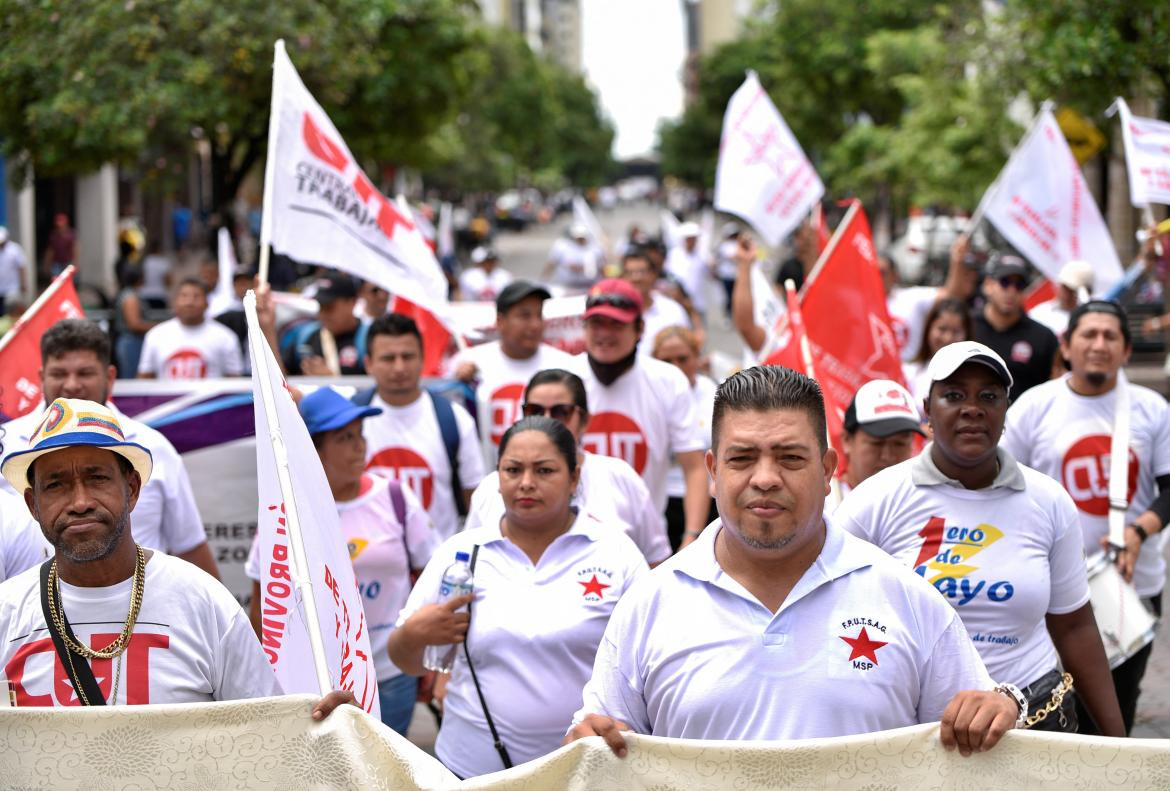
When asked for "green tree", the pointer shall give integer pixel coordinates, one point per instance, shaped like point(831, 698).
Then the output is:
point(132, 81)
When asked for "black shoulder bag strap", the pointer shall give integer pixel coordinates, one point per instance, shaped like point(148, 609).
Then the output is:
point(497, 742)
point(77, 666)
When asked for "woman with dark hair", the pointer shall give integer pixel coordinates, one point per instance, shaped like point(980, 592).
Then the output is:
point(546, 579)
point(129, 324)
point(949, 321)
point(608, 488)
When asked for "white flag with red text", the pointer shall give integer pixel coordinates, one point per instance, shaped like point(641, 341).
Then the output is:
point(283, 439)
point(1147, 157)
point(1041, 204)
point(763, 174)
point(324, 210)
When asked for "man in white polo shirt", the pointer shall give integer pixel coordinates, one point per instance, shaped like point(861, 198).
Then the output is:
point(504, 367)
point(75, 363)
point(642, 410)
point(1064, 428)
point(770, 625)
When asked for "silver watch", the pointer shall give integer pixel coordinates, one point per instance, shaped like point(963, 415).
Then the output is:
point(1013, 692)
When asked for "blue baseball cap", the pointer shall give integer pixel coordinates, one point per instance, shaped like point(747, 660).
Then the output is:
point(325, 409)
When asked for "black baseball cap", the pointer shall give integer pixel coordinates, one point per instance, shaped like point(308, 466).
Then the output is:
point(1007, 266)
point(518, 291)
point(335, 287)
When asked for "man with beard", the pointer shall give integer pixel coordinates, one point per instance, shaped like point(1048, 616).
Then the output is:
point(124, 624)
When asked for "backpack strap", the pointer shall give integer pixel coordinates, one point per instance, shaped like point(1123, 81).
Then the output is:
point(449, 429)
point(361, 339)
point(76, 666)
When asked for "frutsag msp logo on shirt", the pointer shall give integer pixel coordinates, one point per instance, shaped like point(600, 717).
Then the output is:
point(944, 560)
point(594, 582)
point(1084, 472)
point(615, 434)
point(863, 648)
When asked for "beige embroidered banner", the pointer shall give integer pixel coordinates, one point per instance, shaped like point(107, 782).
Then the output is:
point(272, 743)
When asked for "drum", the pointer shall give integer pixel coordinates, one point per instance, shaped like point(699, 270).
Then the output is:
point(1122, 618)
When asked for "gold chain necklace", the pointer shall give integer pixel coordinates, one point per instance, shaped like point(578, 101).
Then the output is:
point(114, 649)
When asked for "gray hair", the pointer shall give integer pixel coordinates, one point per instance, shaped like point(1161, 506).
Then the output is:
point(764, 388)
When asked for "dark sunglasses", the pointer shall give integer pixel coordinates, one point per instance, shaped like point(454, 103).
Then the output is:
point(561, 412)
point(1011, 281)
point(616, 300)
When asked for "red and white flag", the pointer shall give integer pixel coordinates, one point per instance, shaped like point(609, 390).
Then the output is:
point(20, 348)
point(1147, 157)
point(1041, 204)
point(763, 175)
point(313, 627)
point(845, 354)
point(319, 207)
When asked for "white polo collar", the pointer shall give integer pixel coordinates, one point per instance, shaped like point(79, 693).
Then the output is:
point(585, 525)
point(924, 472)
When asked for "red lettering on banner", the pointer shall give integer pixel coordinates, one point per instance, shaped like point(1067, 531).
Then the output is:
point(274, 614)
point(504, 409)
point(1084, 473)
point(408, 468)
point(388, 214)
point(617, 435)
point(322, 147)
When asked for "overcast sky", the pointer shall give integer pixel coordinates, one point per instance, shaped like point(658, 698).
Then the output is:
point(633, 53)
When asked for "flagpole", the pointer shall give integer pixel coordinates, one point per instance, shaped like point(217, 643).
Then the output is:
point(296, 545)
point(810, 371)
point(993, 190)
point(35, 306)
point(832, 245)
point(270, 165)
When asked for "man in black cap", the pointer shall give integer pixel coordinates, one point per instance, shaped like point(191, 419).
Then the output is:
point(500, 370)
point(1028, 347)
point(334, 344)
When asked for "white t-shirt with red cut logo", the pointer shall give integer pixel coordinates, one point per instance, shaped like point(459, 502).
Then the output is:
point(908, 308)
point(172, 350)
point(533, 636)
point(405, 443)
point(500, 392)
point(383, 553)
point(192, 643)
point(608, 489)
point(1002, 557)
point(643, 418)
point(1067, 437)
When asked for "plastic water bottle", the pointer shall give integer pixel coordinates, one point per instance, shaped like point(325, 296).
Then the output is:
point(456, 582)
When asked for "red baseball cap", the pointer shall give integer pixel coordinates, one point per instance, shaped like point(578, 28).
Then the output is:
point(616, 299)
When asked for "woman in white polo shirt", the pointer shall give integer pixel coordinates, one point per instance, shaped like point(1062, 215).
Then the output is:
point(388, 532)
point(546, 580)
point(608, 488)
point(999, 540)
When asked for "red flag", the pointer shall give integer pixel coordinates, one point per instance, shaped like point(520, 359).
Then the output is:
point(20, 349)
point(436, 338)
point(1041, 291)
point(795, 352)
point(844, 307)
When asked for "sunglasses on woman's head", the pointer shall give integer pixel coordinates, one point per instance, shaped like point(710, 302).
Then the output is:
point(616, 300)
point(561, 412)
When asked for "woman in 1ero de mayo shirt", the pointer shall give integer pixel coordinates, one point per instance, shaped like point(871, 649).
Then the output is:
point(999, 540)
point(546, 580)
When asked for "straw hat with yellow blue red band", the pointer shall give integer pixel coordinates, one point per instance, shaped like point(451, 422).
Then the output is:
point(68, 423)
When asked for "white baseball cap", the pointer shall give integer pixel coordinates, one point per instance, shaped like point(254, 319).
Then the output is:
point(950, 358)
point(882, 407)
point(688, 229)
point(1076, 275)
point(578, 231)
point(3, 234)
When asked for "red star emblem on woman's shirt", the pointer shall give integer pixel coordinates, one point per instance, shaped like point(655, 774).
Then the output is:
point(593, 586)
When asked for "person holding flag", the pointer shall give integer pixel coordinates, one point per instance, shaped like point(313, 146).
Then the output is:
point(386, 529)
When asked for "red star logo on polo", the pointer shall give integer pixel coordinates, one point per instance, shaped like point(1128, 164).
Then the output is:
point(408, 468)
point(862, 646)
point(504, 408)
point(593, 586)
point(1084, 472)
point(185, 364)
point(615, 434)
